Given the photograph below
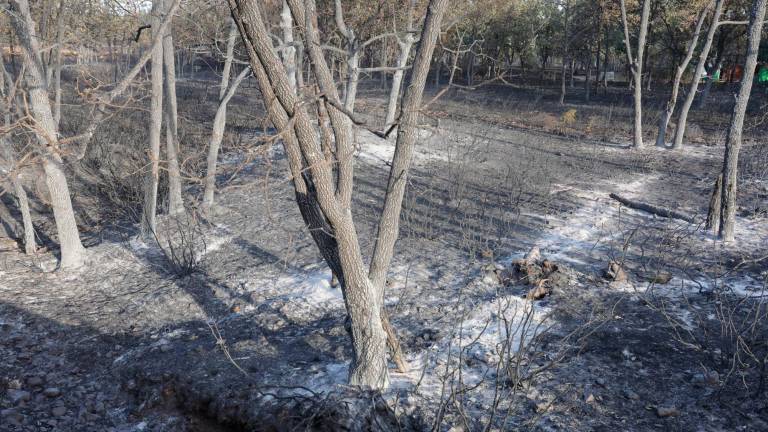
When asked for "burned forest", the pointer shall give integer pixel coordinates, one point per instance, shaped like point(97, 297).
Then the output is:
point(383, 215)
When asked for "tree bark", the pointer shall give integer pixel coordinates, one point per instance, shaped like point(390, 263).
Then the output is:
point(389, 222)
point(636, 66)
point(228, 59)
point(683, 117)
point(289, 52)
point(715, 206)
point(175, 201)
point(72, 250)
point(669, 108)
point(733, 140)
point(149, 217)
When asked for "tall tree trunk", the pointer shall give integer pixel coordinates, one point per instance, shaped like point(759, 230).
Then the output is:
point(175, 201)
point(587, 78)
point(669, 108)
point(72, 250)
point(733, 141)
point(149, 217)
point(636, 66)
point(566, 41)
point(683, 118)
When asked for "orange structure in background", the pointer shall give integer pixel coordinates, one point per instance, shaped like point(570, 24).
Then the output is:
point(732, 73)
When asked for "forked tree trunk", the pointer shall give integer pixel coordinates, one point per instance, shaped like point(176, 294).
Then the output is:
point(175, 202)
point(72, 250)
point(149, 216)
point(636, 66)
point(324, 198)
point(683, 118)
point(219, 124)
point(733, 141)
point(669, 108)
point(220, 119)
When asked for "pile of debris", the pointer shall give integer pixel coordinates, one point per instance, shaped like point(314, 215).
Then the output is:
point(543, 275)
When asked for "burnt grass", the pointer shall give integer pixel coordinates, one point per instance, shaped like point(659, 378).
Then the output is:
point(126, 345)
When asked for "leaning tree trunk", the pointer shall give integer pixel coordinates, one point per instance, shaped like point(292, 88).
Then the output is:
point(683, 118)
point(669, 108)
point(149, 216)
point(175, 202)
point(72, 250)
point(733, 141)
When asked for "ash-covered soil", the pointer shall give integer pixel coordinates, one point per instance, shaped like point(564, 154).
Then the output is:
point(254, 337)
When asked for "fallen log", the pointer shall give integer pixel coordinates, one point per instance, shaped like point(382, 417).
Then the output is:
point(649, 208)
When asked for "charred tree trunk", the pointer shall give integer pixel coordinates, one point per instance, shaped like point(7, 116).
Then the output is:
point(733, 140)
point(715, 205)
